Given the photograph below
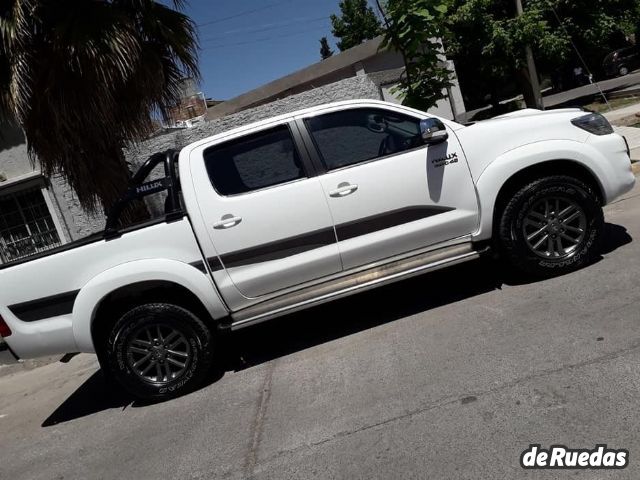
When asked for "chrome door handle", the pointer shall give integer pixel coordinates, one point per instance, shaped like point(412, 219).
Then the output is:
point(227, 221)
point(344, 189)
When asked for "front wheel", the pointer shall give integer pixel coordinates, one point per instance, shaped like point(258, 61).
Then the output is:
point(159, 351)
point(552, 226)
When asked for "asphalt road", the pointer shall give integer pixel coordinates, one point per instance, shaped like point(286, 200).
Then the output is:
point(450, 375)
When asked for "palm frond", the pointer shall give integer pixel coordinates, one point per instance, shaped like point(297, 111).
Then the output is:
point(85, 78)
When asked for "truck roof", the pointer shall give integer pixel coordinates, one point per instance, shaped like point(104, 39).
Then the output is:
point(317, 108)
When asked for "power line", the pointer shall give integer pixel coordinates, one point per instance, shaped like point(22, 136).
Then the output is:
point(240, 14)
point(266, 27)
point(265, 39)
point(584, 63)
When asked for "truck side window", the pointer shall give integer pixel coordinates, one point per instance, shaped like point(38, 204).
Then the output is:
point(253, 162)
point(357, 135)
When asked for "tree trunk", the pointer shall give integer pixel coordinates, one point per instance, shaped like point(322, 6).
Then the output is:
point(526, 88)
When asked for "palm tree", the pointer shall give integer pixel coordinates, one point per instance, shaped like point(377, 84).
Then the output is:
point(85, 78)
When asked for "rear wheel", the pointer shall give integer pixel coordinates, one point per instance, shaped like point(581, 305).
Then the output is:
point(623, 70)
point(551, 226)
point(159, 351)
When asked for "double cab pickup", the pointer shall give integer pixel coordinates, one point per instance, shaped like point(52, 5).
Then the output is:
point(290, 212)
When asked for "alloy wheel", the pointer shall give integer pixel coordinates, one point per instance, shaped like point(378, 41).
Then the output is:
point(158, 353)
point(554, 227)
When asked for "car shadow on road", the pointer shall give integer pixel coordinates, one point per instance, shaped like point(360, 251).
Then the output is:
point(262, 343)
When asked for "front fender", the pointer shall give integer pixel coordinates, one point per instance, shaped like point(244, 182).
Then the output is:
point(183, 274)
point(496, 174)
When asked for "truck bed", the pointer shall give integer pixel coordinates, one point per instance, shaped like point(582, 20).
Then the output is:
point(43, 307)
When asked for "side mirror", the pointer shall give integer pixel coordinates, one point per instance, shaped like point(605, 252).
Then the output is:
point(433, 131)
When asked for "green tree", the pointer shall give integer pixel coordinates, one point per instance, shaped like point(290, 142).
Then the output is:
point(86, 78)
point(487, 39)
point(414, 28)
point(325, 50)
point(356, 23)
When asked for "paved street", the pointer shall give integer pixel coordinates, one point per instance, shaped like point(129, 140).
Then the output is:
point(617, 83)
point(451, 375)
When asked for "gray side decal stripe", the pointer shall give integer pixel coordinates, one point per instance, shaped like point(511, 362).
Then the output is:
point(46, 307)
point(320, 238)
point(374, 223)
point(199, 264)
point(280, 248)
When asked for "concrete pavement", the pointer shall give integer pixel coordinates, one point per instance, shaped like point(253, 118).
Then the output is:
point(632, 134)
point(611, 84)
point(449, 375)
point(619, 114)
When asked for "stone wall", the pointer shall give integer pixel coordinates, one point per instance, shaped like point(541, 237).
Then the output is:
point(77, 222)
point(351, 88)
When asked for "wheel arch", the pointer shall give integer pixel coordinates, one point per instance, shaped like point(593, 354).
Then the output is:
point(517, 167)
point(118, 302)
point(143, 281)
point(551, 167)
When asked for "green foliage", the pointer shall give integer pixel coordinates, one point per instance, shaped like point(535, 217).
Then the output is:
point(487, 39)
point(84, 79)
point(356, 23)
point(325, 50)
point(415, 28)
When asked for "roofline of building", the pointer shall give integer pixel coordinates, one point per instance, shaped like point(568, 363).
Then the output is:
point(308, 74)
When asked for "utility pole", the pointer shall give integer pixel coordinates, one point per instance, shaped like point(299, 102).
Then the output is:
point(531, 67)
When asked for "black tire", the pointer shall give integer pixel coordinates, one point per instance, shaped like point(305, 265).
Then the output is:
point(194, 350)
point(516, 219)
point(623, 70)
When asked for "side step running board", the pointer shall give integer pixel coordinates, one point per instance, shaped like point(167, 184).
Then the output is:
point(354, 283)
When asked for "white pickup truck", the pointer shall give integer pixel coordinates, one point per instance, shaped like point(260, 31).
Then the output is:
point(304, 208)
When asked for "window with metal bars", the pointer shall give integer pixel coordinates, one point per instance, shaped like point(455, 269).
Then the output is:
point(26, 225)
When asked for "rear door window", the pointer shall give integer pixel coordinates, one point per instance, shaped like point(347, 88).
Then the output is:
point(254, 162)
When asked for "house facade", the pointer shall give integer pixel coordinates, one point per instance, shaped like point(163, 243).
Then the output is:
point(36, 213)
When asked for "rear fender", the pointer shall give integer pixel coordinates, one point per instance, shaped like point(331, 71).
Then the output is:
point(183, 274)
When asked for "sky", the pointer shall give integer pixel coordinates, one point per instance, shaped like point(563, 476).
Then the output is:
point(247, 43)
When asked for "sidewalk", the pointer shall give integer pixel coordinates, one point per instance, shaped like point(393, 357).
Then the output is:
point(606, 86)
point(627, 116)
point(632, 134)
point(622, 113)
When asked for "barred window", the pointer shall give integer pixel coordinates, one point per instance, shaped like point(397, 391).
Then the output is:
point(26, 225)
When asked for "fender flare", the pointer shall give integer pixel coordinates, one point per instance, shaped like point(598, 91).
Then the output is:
point(183, 274)
point(498, 172)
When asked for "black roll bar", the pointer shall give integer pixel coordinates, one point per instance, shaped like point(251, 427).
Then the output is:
point(138, 188)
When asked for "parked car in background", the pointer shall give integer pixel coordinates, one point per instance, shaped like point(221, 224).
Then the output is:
point(301, 209)
point(622, 61)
